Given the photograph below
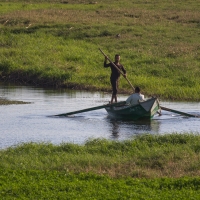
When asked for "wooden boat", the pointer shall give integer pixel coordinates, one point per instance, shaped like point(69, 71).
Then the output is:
point(146, 109)
point(143, 110)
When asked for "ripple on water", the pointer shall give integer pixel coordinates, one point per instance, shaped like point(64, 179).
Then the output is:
point(32, 122)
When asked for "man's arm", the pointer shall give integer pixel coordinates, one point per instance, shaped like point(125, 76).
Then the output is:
point(141, 98)
point(128, 101)
point(105, 62)
point(123, 69)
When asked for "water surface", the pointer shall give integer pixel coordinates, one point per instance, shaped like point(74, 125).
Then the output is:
point(34, 122)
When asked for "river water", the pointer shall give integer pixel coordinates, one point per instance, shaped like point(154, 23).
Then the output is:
point(35, 122)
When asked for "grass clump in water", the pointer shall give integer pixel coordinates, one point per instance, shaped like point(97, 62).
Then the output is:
point(8, 102)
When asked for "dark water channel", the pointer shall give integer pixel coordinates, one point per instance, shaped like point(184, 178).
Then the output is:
point(34, 122)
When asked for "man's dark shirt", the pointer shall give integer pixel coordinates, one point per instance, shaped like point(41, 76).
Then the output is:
point(115, 74)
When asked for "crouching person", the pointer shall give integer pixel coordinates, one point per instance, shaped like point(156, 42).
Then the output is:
point(135, 98)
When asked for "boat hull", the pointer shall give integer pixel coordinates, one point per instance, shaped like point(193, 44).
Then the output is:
point(143, 110)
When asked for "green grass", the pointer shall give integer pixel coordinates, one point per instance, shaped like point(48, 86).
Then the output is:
point(147, 167)
point(56, 43)
point(35, 184)
point(147, 156)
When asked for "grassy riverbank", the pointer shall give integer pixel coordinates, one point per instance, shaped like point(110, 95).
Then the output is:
point(56, 43)
point(148, 167)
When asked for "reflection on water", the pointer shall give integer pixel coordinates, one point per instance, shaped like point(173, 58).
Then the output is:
point(136, 127)
point(32, 122)
point(114, 128)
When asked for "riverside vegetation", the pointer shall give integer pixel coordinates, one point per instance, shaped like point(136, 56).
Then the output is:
point(148, 167)
point(56, 43)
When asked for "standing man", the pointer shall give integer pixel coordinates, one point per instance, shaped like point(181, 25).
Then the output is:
point(115, 75)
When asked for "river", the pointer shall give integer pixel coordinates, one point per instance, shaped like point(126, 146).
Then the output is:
point(35, 122)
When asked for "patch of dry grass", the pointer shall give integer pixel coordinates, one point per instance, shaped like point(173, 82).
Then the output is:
point(9, 102)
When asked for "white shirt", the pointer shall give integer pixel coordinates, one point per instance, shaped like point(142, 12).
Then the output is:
point(135, 99)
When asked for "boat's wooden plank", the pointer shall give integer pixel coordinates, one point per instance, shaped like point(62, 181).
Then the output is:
point(93, 108)
point(179, 112)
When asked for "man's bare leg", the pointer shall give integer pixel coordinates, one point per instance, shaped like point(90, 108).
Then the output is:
point(112, 98)
point(115, 97)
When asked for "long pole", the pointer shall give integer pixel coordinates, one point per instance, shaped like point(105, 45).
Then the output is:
point(179, 112)
point(93, 108)
point(117, 69)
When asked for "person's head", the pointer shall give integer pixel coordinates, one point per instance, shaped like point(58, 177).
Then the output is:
point(117, 58)
point(137, 90)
